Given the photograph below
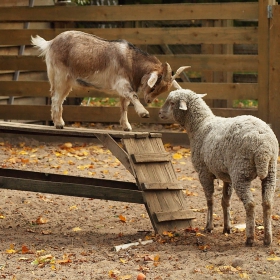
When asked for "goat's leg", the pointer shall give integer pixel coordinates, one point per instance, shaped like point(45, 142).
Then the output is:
point(207, 182)
point(139, 108)
point(58, 96)
point(242, 189)
point(227, 192)
point(124, 120)
point(268, 189)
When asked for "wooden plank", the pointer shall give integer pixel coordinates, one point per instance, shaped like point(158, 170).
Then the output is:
point(274, 72)
point(214, 90)
point(98, 114)
point(161, 186)
point(70, 189)
point(198, 62)
point(163, 200)
point(150, 157)
point(263, 59)
point(67, 131)
point(174, 215)
point(132, 12)
point(149, 36)
point(51, 177)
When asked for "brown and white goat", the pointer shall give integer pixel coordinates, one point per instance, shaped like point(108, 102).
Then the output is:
point(76, 58)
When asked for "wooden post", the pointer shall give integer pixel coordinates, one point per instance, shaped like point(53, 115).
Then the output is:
point(274, 72)
point(263, 55)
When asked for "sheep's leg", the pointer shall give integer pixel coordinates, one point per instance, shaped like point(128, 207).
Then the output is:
point(245, 195)
point(227, 192)
point(124, 120)
point(268, 189)
point(207, 182)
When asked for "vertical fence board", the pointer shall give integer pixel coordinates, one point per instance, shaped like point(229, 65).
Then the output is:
point(263, 55)
point(274, 72)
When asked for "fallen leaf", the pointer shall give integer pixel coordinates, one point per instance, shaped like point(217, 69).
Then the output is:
point(122, 218)
point(275, 258)
point(11, 250)
point(177, 156)
point(76, 229)
point(40, 220)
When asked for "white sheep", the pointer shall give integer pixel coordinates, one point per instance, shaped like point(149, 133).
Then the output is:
point(234, 150)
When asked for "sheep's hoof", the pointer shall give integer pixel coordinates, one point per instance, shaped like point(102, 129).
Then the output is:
point(267, 242)
point(227, 230)
point(249, 242)
point(59, 126)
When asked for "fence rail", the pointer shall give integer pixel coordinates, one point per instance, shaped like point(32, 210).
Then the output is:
point(152, 25)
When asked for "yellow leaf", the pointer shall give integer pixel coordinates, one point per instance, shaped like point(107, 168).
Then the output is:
point(76, 229)
point(168, 233)
point(275, 217)
point(199, 234)
point(177, 156)
point(40, 220)
point(58, 154)
point(244, 275)
point(74, 207)
point(123, 261)
point(11, 250)
point(2, 217)
point(65, 172)
point(67, 145)
point(275, 258)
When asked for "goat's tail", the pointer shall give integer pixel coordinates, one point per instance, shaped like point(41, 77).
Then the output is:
point(40, 44)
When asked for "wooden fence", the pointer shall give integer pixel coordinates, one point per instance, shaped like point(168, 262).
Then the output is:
point(266, 63)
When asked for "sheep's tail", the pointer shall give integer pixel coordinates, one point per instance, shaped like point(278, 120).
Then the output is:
point(41, 44)
point(263, 159)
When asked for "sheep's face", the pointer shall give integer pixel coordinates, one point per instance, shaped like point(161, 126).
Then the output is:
point(176, 105)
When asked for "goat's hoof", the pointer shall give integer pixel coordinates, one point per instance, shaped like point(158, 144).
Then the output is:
point(127, 129)
point(59, 126)
point(145, 115)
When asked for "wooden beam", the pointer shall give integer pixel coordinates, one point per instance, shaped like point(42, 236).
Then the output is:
point(98, 114)
point(71, 189)
point(148, 36)
point(245, 11)
point(116, 150)
point(197, 62)
point(214, 90)
point(274, 73)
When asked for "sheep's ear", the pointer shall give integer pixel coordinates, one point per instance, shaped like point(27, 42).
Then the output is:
point(153, 79)
point(183, 105)
point(202, 95)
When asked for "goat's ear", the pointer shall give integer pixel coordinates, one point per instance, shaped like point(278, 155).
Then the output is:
point(153, 79)
point(183, 105)
point(202, 95)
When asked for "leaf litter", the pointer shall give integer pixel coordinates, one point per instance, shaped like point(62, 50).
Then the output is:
point(44, 234)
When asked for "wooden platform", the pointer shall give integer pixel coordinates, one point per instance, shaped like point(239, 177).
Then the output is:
point(143, 155)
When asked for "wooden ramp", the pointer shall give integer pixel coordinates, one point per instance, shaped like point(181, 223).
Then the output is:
point(143, 155)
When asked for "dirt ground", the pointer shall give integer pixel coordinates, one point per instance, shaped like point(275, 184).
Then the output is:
point(47, 236)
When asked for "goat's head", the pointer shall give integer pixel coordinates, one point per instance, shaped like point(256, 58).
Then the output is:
point(158, 82)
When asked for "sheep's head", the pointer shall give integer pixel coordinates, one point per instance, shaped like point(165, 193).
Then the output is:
point(176, 105)
point(158, 82)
